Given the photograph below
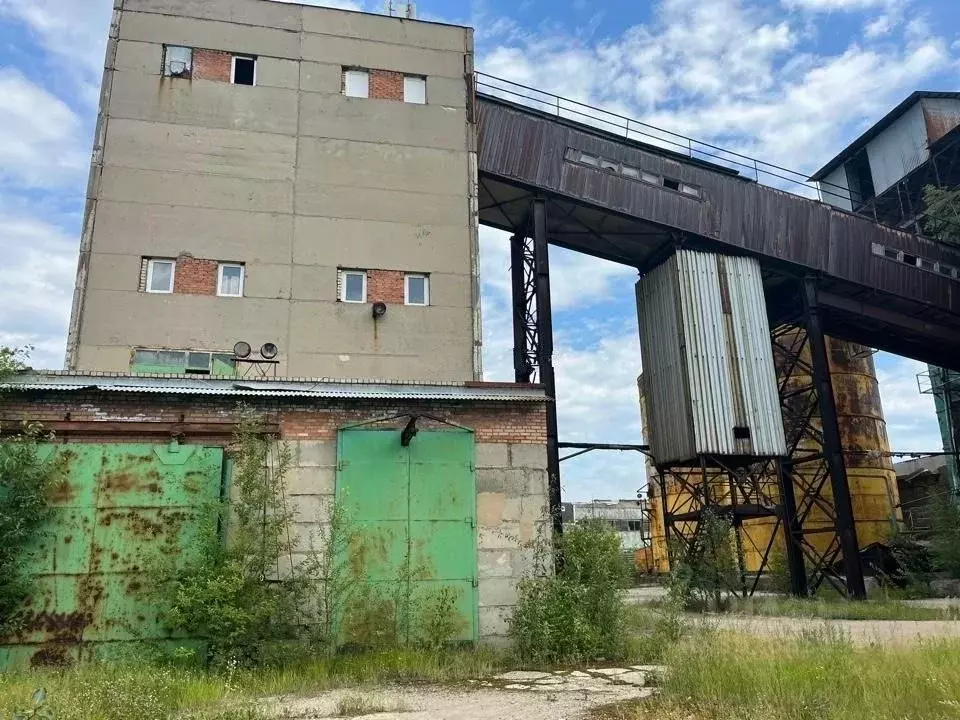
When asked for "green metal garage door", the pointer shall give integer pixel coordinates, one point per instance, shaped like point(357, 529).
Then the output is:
point(118, 511)
point(413, 510)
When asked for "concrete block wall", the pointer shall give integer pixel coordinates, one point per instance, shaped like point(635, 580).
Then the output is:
point(513, 527)
point(290, 178)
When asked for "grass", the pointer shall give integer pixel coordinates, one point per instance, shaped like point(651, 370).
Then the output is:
point(820, 676)
point(837, 608)
point(152, 692)
point(357, 705)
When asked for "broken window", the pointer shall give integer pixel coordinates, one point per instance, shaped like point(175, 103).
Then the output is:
point(353, 286)
point(356, 83)
point(244, 71)
point(160, 276)
point(415, 90)
point(230, 280)
point(177, 61)
point(671, 184)
point(416, 290)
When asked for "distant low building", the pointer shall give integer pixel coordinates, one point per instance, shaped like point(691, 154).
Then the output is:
point(921, 482)
point(630, 518)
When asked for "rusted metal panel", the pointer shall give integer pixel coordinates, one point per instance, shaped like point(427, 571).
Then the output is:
point(522, 147)
point(119, 510)
point(940, 115)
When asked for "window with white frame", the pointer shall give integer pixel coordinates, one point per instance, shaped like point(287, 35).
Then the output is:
point(160, 276)
point(416, 290)
point(230, 280)
point(243, 70)
point(177, 61)
point(415, 90)
point(356, 83)
point(353, 286)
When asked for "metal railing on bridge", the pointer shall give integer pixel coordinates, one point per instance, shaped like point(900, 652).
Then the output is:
point(765, 173)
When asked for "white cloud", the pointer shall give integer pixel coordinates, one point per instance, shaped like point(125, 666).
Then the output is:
point(36, 285)
point(910, 413)
point(74, 34)
point(41, 145)
point(834, 5)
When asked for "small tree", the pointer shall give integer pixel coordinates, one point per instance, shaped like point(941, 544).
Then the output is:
point(945, 537)
point(242, 594)
point(708, 568)
point(942, 214)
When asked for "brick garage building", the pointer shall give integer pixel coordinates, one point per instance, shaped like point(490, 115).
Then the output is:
point(158, 432)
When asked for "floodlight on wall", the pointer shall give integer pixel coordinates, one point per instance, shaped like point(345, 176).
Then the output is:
point(269, 351)
point(242, 350)
point(379, 310)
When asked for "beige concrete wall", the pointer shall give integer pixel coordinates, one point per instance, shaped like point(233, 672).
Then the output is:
point(513, 519)
point(290, 178)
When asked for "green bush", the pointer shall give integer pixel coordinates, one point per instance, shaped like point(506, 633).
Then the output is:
point(241, 594)
point(702, 574)
point(26, 478)
point(576, 615)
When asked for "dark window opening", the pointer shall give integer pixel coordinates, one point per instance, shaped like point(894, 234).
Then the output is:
point(741, 433)
point(671, 184)
point(910, 259)
point(859, 179)
point(244, 71)
point(891, 253)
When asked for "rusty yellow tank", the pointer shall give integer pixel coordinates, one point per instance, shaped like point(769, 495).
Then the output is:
point(872, 480)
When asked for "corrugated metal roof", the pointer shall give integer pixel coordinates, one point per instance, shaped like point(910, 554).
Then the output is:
point(320, 388)
point(879, 127)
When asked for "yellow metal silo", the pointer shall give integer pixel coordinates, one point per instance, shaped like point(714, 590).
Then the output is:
point(863, 433)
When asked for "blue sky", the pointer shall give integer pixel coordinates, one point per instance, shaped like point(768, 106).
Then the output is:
point(790, 81)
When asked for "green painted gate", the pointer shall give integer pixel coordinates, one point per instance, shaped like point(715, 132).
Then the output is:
point(119, 510)
point(414, 511)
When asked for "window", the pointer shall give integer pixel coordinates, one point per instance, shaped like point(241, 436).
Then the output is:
point(177, 61)
point(650, 177)
point(230, 280)
point(631, 172)
point(353, 286)
point(244, 70)
point(160, 276)
point(670, 184)
point(690, 190)
point(181, 362)
point(416, 290)
point(356, 83)
point(415, 90)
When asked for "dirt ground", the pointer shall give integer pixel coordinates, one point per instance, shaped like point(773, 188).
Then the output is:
point(521, 695)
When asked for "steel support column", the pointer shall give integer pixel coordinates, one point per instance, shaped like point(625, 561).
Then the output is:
point(832, 445)
point(793, 529)
point(545, 354)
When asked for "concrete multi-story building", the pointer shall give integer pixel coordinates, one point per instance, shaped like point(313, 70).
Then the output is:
point(266, 172)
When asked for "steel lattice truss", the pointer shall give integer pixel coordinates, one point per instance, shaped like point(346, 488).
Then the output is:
point(526, 345)
point(736, 493)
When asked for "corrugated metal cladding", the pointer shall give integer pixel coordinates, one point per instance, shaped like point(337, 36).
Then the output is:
point(709, 376)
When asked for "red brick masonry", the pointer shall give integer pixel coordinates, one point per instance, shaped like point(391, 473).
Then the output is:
point(195, 276)
point(212, 65)
point(298, 419)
